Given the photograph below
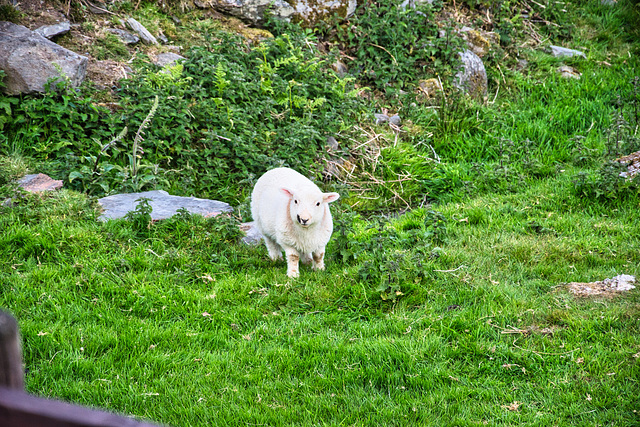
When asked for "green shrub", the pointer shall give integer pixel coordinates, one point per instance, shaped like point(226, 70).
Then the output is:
point(391, 45)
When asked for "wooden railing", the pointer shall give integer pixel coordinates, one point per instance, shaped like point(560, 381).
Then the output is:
point(19, 409)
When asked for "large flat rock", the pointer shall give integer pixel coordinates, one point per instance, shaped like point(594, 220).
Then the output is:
point(163, 204)
point(30, 60)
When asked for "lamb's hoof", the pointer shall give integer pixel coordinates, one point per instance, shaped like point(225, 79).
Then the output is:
point(293, 274)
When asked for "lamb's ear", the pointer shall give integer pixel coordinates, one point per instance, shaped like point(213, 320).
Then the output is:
point(287, 191)
point(330, 197)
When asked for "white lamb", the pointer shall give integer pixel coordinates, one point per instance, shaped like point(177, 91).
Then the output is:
point(293, 215)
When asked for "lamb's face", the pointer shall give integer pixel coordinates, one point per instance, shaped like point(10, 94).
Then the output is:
point(308, 209)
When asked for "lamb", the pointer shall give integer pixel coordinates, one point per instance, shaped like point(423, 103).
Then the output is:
point(293, 215)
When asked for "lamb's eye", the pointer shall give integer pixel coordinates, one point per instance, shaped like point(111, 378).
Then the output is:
point(295, 201)
point(318, 204)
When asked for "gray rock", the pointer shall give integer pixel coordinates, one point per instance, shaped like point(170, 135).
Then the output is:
point(563, 52)
point(381, 118)
point(332, 143)
point(124, 35)
point(308, 11)
point(472, 77)
point(144, 34)
point(608, 2)
point(163, 204)
point(51, 31)
point(395, 120)
point(252, 235)
point(30, 60)
point(167, 59)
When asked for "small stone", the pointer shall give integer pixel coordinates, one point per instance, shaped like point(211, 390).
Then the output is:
point(38, 183)
point(51, 31)
point(395, 120)
point(167, 59)
point(252, 235)
point(332, 143)
point(144, 34)
point(568, 72)
point(381, 118)
point(163, 39)
point(563, 52)
point(622, 282)
point(472, 76)
point(632, 161)
point(125, 36)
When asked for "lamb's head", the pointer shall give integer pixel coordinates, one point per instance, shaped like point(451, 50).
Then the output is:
point(308, 207)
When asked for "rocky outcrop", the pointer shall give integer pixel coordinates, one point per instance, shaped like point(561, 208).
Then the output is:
point(309, 12)
point(30, 60)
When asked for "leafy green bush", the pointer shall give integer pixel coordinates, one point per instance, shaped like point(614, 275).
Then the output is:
point(390, 254)
point(234, 113)
point(226, 116)
point(395, 45)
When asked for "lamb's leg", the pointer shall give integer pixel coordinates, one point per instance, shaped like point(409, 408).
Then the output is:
point(318, 260)
point(292, 262)
point(274, 249)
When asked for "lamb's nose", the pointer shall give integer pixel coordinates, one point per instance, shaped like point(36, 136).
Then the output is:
point(302, 221)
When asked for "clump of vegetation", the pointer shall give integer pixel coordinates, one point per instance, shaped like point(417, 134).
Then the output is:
point(8, 12)
point(612, 180)
point(396, 45)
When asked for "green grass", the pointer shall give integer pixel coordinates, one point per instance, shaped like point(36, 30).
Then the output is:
point(179, 327)
point(455, 313)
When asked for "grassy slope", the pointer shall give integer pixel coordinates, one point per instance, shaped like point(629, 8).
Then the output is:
point(181, 327)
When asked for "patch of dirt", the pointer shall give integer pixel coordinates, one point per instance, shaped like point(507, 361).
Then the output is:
point(106, 74)
point(607, 288)
point(37, 13)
